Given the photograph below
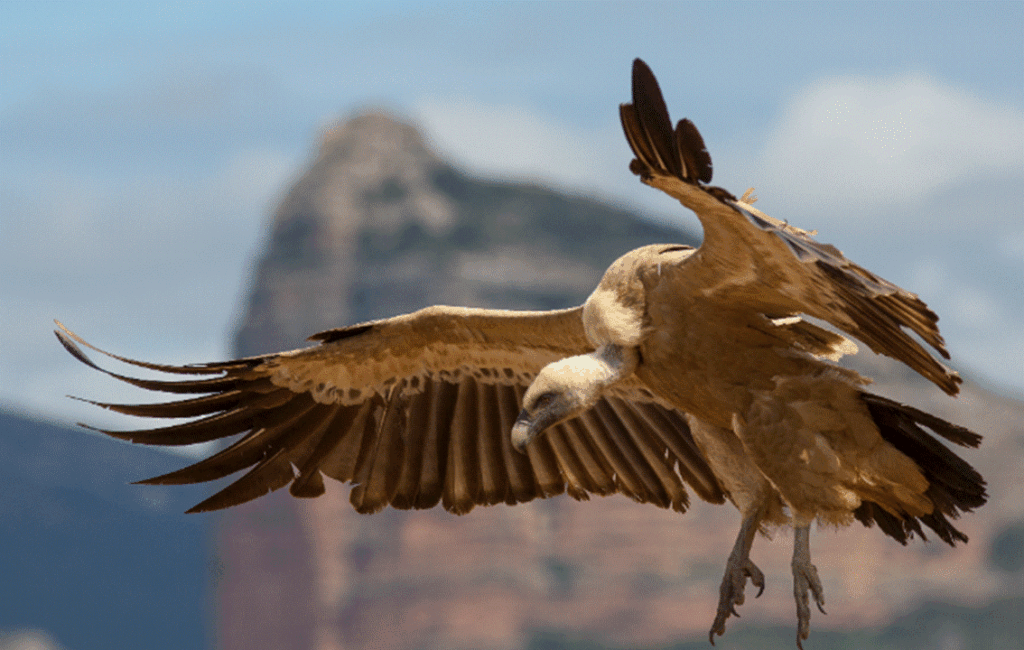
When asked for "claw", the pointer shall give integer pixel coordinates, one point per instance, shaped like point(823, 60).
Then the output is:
point(731, 593)
point(757, 579)
point(738, 570)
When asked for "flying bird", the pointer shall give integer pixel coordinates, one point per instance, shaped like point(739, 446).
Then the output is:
point(685, 368)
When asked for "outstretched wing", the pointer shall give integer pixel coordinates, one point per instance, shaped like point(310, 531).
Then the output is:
point(415, 410)
point(749, 258)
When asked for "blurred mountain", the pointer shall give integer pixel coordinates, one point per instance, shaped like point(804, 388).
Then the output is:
point(378, 225)
point(87, 561)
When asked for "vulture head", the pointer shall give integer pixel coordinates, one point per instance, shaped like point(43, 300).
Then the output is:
point(565, 388)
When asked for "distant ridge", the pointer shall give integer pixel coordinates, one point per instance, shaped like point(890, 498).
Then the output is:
point(94, 561)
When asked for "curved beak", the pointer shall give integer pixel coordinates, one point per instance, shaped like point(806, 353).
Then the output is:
point(527, 427)
point(522, 432)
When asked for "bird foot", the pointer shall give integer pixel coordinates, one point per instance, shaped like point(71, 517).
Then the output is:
point(805, 582)
point(730, 594)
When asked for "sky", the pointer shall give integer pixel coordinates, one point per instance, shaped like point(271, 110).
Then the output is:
point(143, 146)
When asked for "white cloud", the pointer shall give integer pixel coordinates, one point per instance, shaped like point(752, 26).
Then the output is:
point(980, 317)
point(887, 143)
point(995, 358)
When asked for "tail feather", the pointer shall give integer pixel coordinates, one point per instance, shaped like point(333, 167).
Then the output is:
point(954, 486)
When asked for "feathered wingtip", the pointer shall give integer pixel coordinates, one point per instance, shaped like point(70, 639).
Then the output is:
point(220, 382)
point(71, 341)
point(659, 148)
point(234, 400)
point(213, 397)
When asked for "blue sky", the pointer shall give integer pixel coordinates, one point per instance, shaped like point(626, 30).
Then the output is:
point(143, 145)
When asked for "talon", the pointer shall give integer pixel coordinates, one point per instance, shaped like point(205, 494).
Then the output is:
point(738, 569)
point(731, 594)
point(756, 578)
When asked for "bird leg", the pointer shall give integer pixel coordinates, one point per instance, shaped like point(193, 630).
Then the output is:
point(805, 579)
point(737, 569)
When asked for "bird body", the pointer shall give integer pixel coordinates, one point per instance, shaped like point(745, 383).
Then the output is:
point(797, 416)
point(684, 368)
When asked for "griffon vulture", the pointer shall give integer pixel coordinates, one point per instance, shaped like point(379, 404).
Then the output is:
point(684, 367)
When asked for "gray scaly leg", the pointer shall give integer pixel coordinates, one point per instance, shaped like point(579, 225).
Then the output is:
point(805, 579)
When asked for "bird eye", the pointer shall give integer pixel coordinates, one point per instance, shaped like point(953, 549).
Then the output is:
point(543, 400)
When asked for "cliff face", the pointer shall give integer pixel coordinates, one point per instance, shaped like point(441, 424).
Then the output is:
point(379, 226)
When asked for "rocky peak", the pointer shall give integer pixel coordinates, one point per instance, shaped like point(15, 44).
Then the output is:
point(371, 181)
point(385, 163)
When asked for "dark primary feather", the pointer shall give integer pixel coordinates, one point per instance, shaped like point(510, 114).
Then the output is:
point(659, 148)
point(652, 116)
point(696, 158)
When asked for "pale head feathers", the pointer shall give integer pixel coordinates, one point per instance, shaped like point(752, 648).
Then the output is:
point(565, 388)
point(583, 377)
